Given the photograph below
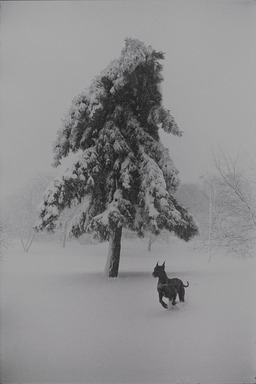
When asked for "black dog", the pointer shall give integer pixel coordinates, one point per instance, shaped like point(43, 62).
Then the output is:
point(168, 287)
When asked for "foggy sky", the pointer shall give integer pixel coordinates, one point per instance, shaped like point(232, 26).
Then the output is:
point(50, 51)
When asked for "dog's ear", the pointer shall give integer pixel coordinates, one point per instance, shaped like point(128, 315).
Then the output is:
point(157, 263)
point(163, 265)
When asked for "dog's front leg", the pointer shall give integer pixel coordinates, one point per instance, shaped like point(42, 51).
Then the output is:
point(161, 300)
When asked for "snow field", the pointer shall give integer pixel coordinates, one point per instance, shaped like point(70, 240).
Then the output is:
point(63, 322)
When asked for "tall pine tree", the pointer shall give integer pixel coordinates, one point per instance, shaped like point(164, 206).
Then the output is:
point(122, 176)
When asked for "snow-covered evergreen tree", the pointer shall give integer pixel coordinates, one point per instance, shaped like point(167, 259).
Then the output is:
point(122, 175)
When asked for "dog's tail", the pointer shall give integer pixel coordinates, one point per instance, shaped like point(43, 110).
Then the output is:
point(185, 286)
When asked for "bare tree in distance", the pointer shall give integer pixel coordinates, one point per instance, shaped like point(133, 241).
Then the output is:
point(224, 205)
point(19, 212)
point(233, 203)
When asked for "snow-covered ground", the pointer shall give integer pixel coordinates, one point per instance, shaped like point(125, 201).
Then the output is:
point(63, 322)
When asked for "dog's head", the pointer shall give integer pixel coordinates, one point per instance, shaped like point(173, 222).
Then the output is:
point(158, 270)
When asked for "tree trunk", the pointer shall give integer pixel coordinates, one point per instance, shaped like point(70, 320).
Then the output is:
point(114, 248)
point(64, 235)
point(29, 242)
point(149, 243)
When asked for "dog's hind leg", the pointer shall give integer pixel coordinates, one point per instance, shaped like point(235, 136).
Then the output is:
point(161, 300)
point(174, 300)
point(182, 294)
point(171, 303)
